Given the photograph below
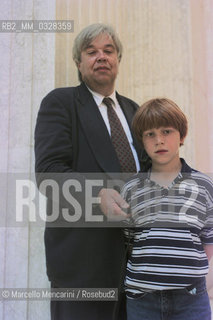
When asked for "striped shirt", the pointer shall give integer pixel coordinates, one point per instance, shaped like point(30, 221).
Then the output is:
point(167, 230)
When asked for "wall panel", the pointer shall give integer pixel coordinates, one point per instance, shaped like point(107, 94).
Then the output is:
point(167, 52)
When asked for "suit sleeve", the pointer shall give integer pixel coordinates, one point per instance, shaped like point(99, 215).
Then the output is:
point(55, 154)
point(53, 136)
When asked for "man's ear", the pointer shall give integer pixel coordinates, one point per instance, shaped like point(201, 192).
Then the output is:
point(77, 63)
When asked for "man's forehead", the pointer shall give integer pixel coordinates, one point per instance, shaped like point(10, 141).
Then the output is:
point(107, 45)
point(103, 39)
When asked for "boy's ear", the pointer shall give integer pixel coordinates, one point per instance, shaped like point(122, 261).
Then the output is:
point(182, 141)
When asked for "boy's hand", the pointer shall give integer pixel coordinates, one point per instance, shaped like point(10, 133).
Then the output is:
point(209, 251)
point(113, 205)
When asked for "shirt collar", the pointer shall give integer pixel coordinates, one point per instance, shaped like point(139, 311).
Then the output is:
point(185, 167)
point(183, 174)
point(99, 97)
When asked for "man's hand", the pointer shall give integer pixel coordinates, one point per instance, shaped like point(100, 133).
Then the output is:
point(113, 205)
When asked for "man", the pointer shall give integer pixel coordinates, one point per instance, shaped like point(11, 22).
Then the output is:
point(74, 136)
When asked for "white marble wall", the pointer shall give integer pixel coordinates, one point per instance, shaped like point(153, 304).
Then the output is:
point(27, 74)
point(208, 27)
point(161, 57)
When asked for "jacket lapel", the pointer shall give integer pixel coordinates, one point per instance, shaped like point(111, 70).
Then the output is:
point(98, 139)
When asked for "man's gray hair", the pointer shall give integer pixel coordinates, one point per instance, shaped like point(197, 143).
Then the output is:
point(88, 34)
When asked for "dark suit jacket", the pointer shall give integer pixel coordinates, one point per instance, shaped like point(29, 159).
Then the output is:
point(71, 136)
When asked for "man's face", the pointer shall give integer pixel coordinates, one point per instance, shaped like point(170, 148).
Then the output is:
point(99, 63)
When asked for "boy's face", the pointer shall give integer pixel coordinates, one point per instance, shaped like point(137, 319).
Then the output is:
point(162, 145)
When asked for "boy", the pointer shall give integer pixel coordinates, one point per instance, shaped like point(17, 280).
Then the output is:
point(172, 213)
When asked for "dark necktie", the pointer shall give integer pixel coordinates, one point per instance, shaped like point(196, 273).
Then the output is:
point(119, 139)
